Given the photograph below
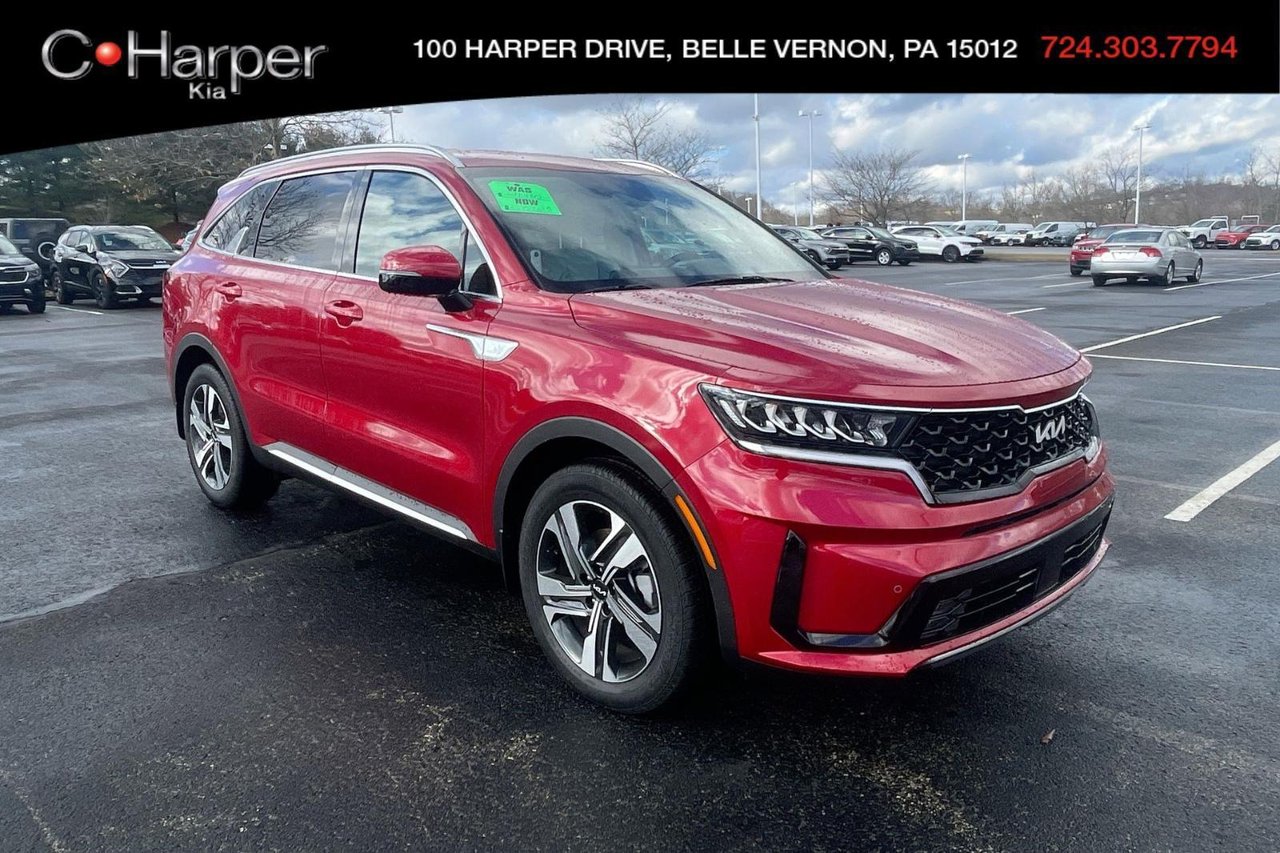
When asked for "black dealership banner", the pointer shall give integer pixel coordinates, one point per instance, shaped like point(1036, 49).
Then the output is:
point(96, 77)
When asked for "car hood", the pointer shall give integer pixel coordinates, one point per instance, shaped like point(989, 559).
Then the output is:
point(7, 260)
point(136, 256)
point(840, 339)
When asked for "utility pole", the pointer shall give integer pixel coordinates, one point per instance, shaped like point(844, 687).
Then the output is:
point(756, 117)
point(391, 113)
point(811, 115)
point(1137, 199)
point(964, 185)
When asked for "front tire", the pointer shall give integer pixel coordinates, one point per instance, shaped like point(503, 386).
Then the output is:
point(1199, 242)
point(834, 265)
point(884, 257)
point(218, 446)
point(37, 303)
point(613, 589)
point(950, 254)
point(1275, 245)
point(103, 295)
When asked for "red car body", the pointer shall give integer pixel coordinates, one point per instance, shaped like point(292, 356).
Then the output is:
point(1082, 249)
point(1234, 239)
point(811, 565)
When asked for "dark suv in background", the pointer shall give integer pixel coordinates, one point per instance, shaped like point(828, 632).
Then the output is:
point(110, 263)
point(29, 234)
point(21, 281)
point(868, 243)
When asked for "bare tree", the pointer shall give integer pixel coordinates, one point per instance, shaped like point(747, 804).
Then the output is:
point(1082, 191)
point(878, 185)
point(639, 128)
point(1120, 178)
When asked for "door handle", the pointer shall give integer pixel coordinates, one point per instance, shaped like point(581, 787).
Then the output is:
point(229, 289)
point(344, 311)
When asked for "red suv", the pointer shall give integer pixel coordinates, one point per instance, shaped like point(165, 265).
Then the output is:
point(667, 452)
point(1082, 248)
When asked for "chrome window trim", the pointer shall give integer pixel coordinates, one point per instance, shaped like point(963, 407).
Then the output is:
point(380, 167)
point(370, 490)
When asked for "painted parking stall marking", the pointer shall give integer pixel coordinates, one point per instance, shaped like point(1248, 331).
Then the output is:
point(1142, 335)
point(1204, 499)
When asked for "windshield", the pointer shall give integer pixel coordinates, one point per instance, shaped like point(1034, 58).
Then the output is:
point(808, 233)
point(1134, 237)
point(7, 248)
point(131, 240)
point(581, 231)
point(948, 231)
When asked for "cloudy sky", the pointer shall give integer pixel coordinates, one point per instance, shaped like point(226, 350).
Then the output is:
point(1008, 135)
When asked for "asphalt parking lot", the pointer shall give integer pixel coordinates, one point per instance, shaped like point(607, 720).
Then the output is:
point(316, 676)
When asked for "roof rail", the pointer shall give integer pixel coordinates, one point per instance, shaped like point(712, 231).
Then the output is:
point(401, 147)
point(642, 163)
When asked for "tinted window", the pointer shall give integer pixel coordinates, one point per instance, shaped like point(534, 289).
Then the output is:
point(300, 226)
point(404, 209)
point(40, 230)
point(236, 229)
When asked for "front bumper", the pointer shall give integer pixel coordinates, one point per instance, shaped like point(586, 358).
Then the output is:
point(975, 253)
point(839, 570)
point(901, 253)
point(141, 283)
point(1081, 261)
point(22, 291)
point(1227, 244)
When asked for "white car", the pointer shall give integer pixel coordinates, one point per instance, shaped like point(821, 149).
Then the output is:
point(938, 241)
point(1268, 239)
point(1014, 237)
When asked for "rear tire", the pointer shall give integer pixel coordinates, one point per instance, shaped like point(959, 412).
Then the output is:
point(1167, 278)
point(950, 254)
point(657, 594)
point(904, 263)
point(1099, 281)
point(884, 257)
point(218, 446)
point(64, 295)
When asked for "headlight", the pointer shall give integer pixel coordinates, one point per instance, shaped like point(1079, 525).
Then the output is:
point(115, 268)
point(761, 419)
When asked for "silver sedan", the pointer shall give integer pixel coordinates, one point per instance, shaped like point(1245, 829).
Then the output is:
point(1159, 255)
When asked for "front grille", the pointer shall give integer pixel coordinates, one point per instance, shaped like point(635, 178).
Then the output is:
point(17, 275)
point(961, 454)
point(966, 600)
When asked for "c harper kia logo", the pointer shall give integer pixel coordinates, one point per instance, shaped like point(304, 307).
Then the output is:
point(211, 73)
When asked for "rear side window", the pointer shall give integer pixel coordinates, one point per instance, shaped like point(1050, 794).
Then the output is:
point(236, 229)
point(300, 226)
point(403, 209)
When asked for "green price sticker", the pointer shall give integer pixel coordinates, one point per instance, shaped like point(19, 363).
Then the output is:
point(519, 197)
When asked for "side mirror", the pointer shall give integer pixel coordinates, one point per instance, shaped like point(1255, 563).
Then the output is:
point(45, 250)
point(87, 248)
point(423, 271)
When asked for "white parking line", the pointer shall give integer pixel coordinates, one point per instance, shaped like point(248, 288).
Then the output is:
point(81, 310)
point(1149, 334)
point(1180, 361)
point(1066, 284)
point(1220, 281)
point(1006, 278)
point(1024, 311)
point(1201, 501)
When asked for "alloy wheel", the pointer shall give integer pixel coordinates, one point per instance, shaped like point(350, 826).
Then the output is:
point(599, 592)
point(209, 437)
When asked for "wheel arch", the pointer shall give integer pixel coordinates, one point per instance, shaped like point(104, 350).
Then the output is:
point(192, 351)
point(562, 441)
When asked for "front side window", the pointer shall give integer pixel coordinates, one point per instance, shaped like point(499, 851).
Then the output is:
point(404, 209)
point(236, 230)
point(130, 240)
point(300, 225)
point(582, 230)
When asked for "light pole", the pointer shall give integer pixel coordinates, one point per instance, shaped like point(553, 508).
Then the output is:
point(391, 113)
point(811, 115)
point(755, 116)
point(964, 185)
point(1137, 199)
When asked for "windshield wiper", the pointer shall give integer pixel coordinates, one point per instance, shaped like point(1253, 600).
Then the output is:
point(737, 279)
point(626, 285)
